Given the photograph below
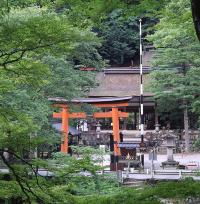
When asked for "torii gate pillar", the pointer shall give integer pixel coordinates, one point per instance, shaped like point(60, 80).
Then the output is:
point(116, 136)
point(115, 114)
point(65, 129)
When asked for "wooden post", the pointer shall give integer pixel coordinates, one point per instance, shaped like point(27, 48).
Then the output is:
point(135, 120)
point(125, 121)
point(115, 120)
point(156, 114)
point(65, 129)
point(156, 117)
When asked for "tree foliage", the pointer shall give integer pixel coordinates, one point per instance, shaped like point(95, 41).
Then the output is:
point(120, 38)
point(177, 56)
point(43, 45)
point(34, 64)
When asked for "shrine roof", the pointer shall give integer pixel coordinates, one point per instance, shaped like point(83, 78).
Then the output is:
point(120, 82)
point(102, 99)
point(91, 100)
point(126, 70)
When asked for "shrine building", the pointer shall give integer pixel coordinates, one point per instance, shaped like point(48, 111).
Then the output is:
point(117, 95)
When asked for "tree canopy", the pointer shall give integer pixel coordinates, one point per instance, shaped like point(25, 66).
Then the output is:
point(176, 61)
point(43, 43)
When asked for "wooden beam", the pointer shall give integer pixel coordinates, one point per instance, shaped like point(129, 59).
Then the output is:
point(77, 115)
point(57, 115)
point(123, 114)
point(102, 115)
point(109, 114)
point(104, 105)
point(60, 105)
point(71, 115)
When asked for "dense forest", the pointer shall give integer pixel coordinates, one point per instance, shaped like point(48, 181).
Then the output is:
point(43, 45)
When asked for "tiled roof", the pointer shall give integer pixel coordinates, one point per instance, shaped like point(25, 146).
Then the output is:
point(90, 100)
point(120, 82)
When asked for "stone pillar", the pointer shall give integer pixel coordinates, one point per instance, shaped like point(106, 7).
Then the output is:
point(170, 154)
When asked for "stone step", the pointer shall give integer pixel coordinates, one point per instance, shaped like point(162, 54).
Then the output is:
point(133, 183)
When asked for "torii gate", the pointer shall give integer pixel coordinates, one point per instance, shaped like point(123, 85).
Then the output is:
point(65, 115)
point(115, 114)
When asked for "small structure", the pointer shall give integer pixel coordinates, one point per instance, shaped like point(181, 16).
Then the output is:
point(170, 139)
point(129, 156)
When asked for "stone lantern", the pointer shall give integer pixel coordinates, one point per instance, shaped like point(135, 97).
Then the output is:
point(98, 129)
point(169, 137)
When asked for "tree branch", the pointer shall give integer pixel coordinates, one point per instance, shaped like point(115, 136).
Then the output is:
point(15, 51)
point(27, 163)
point(18, 179)
point(13, 60)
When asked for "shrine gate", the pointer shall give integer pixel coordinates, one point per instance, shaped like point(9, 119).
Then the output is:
point(113, 103)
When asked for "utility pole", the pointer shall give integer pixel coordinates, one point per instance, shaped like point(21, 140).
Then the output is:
point(141, 99)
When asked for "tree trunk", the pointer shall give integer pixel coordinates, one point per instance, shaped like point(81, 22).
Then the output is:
point(185, 113)
point(121, 59)
point(186, 127)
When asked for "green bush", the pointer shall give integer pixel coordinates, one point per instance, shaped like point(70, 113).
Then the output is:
point(149, 195)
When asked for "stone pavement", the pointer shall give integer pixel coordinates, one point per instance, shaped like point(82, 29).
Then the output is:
point(148, 177)
point(183, 159)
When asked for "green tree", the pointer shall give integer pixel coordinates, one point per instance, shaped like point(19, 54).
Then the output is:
point(27, 35)
point(176, 58)
point(120, 38)
point(34, 43)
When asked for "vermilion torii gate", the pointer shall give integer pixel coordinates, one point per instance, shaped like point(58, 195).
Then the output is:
point(113, 103)
point(65, 115)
